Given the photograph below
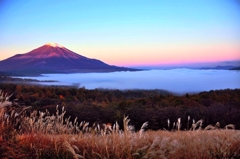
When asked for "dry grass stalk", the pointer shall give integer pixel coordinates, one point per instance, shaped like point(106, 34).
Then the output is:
point(47, 135)
point(230, 126)
point(197, 124)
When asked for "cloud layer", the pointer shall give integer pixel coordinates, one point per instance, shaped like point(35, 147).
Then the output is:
point(175, 80)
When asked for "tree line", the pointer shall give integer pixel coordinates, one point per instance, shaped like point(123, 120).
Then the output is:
point(153, 106)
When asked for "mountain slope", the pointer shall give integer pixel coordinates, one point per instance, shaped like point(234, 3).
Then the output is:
point(54, 58)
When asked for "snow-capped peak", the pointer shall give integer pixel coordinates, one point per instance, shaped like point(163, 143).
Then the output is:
point(54, 45)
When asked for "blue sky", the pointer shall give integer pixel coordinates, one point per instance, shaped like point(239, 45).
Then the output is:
point(125, 33)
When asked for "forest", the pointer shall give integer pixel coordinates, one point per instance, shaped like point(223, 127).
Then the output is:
point(156, 107)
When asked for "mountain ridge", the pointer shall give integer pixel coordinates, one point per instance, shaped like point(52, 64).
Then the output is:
point(55, 58)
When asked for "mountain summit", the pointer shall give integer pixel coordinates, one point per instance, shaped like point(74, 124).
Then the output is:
point(55, 58)
point(54, 45)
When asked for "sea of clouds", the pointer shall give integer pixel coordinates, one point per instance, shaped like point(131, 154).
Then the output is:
point(174, 80)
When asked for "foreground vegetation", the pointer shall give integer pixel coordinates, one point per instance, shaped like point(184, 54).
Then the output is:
point(153, 106)
point(27, 133)
point(151, 144)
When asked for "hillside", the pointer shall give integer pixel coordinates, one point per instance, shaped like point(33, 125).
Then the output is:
point(154, 106)
point(79, 123)
point(54, 58)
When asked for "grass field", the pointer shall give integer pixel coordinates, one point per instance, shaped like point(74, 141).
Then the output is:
point(150, 144)
point(29, 134)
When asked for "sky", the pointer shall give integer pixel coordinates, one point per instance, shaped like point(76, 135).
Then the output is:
point(125, 33)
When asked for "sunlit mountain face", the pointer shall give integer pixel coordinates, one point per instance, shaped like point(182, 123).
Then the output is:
point(50, 50)
point(53, 57)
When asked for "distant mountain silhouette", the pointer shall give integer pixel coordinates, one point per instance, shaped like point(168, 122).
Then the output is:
point(54, 58)
point(219, 67)
point(235, 68)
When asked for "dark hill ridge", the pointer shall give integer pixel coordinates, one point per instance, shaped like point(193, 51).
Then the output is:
point(54, 58)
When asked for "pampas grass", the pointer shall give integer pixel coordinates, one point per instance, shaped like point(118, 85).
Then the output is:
point(39, 134)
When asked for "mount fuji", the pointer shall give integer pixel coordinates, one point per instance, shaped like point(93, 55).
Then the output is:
point(55, 58)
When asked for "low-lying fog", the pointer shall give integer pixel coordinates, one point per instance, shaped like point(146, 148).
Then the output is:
point(175, 80)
